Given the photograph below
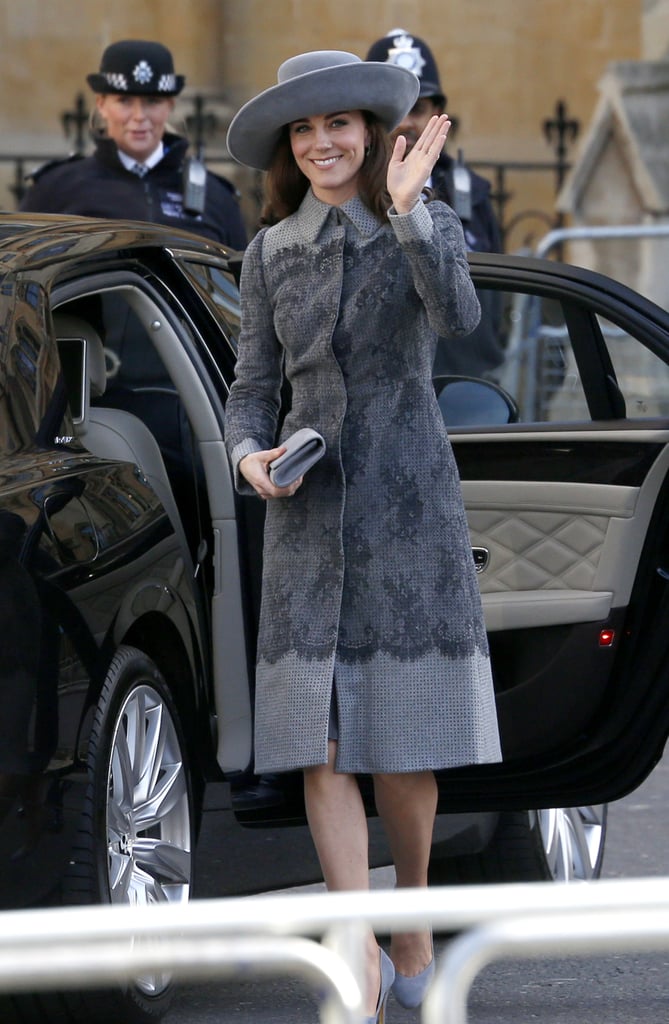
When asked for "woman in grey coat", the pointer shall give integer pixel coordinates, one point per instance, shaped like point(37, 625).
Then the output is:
point(372, 652)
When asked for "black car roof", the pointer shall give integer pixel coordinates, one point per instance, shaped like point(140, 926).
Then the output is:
point(561, 278)
point(30, 237)
point(26, 234)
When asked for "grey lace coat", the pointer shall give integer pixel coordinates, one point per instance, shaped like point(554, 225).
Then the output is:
point(368, 581)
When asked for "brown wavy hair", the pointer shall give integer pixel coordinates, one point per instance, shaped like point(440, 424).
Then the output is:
point(286, 185)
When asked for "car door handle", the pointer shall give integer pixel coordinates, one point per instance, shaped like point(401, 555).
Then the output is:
point(481, 558)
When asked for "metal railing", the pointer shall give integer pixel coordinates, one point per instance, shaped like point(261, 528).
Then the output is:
point(319, 937)
point(539, 368)
point(584, 932)
point(601, 232)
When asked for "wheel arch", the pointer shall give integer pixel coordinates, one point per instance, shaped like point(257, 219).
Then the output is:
point(159, 637)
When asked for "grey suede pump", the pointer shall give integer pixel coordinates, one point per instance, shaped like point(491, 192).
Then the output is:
point(410, 992)
point(387, 979)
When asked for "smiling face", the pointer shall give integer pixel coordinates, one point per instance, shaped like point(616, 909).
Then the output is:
point(329, 149)
point(135, 123)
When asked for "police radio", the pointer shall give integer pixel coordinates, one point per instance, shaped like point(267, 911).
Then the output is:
point(194, 185)
point(462, 188)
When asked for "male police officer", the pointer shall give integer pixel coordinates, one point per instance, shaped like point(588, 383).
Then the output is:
point(456, 184)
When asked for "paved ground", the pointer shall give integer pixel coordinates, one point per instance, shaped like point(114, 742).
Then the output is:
point(621, 989)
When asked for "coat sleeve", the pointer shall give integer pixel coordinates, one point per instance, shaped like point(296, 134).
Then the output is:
point(252, 409)
point(431, 236)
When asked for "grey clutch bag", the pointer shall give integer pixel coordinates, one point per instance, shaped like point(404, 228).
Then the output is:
point(303, 449)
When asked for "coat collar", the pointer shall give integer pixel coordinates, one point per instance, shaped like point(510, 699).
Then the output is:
point(313, 214)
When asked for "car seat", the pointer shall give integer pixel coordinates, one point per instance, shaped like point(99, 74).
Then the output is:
point(112, 433)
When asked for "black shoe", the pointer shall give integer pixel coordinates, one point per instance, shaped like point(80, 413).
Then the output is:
point(264, 791)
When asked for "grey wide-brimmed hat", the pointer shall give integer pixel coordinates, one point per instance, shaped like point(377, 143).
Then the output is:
point(320, 82)
point(138, 67)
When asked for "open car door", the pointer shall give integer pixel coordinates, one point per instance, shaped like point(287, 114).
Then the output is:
point(568, 512)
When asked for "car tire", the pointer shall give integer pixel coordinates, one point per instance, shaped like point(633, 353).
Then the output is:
point(136, 839)
point(558, 844)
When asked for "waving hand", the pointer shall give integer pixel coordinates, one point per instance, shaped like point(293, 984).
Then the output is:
point(408, 174)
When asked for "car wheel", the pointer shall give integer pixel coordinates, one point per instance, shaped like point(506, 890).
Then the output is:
point(559, 844)
point(141, 808)
point(137, 835)
point(572, 841)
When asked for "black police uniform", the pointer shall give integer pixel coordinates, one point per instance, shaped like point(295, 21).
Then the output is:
point(481, 352)
point(481, 228)
point(101, 186)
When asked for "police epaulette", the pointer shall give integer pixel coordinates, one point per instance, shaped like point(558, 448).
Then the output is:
point(228, 184)
point(50, 164)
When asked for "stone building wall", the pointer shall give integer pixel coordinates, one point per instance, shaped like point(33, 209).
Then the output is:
point(504, 64)
point(49, 46)
point(655, 29)
point(621, 177)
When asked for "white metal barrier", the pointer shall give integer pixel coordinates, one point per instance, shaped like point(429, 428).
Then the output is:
point(585, 932)
point(318, 937)
point(598, 232)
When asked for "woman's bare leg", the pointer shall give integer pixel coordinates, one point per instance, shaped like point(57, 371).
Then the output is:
point(407, 804)
point(338, 825)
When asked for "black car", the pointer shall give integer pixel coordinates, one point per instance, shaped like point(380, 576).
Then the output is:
point(130, 572)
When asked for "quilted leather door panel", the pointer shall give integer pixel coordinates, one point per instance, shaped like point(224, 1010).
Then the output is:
point(559, 551)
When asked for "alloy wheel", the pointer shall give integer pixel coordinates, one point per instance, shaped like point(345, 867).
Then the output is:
point(148, 810)
point(573, 841)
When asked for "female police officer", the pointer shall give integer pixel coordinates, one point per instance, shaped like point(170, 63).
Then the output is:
point(137, 169)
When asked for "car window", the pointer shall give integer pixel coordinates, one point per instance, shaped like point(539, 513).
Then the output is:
point(538, 368)
point(642, 376)
point(546, 344)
